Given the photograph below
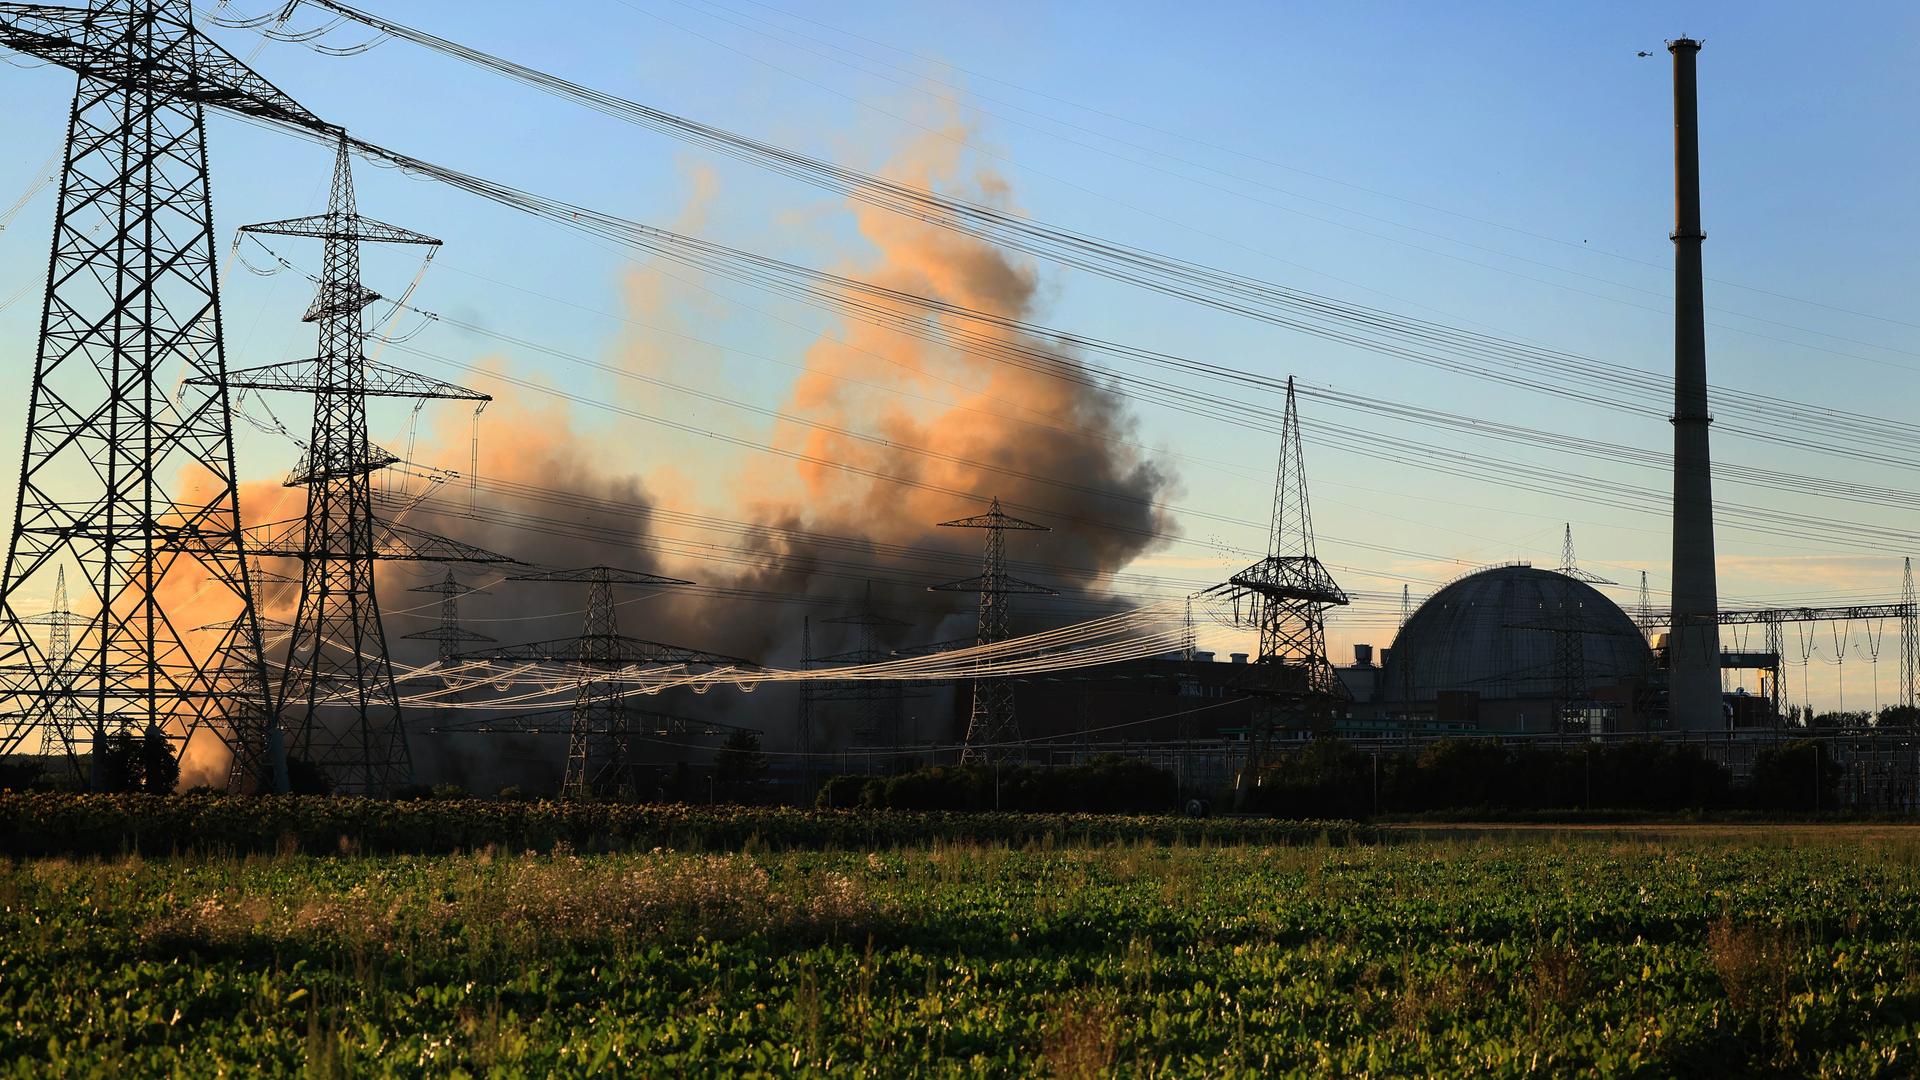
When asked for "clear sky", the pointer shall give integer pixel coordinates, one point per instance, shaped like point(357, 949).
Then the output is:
point(1504, 167)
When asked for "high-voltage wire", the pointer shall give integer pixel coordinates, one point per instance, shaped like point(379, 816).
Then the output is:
point(1404, 336)
point(1156, 394)
point(1475, 467)
point(1581, 486)
point(1878, 439)
point(918, 80)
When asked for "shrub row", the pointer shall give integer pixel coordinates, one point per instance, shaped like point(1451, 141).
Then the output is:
point(49, 823)
point(1106, 785)
point(1331, 778)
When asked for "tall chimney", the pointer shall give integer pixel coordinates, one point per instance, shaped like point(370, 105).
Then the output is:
point(1693, 687)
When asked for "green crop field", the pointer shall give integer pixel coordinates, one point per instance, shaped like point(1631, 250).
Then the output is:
point(1682, 952)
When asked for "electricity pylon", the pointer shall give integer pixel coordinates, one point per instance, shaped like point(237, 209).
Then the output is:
point(337, 692)
point(1909, 640)
point(1569, 567)
point(128, 470)
point(601, 727)
point(991, 726)
point(65, 711)
point(449, 633)
point(878, 701)
point(1288, 593)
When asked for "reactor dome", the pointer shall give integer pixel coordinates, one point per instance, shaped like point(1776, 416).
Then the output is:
point(1492, 632)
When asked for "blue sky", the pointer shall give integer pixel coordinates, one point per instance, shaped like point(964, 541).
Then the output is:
point(1501, 166)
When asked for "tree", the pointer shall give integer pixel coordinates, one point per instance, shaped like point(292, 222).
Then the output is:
point(159, 767)
point(145, 762)
point(305, 777)
point(739, 764)
point(1797, 775)
point(679, 784)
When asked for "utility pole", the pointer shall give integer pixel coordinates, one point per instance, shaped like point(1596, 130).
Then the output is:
point(1693, 649)
point(991, 727)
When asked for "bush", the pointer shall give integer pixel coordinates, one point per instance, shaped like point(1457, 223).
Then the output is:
point(1329, 778)
point(143, 762)
point(43, 824)
point(1798, 775)
point(1109, 784)
point(1328, 773)
point(844, 792)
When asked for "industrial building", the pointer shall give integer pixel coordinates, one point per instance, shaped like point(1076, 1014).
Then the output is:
point(1511, 648)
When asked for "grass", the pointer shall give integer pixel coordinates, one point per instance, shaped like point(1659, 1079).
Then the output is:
point(1713, 954)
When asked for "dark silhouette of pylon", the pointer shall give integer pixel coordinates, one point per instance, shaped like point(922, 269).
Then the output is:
point(1288, 593)
point(64, 710)
point(448, 632)
point(992, 728)
point(601, 727)
point(128, 471)
point(337, 693)
point(879, 702)
point(1569, 566)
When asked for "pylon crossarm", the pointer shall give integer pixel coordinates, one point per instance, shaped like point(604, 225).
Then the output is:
point(195, 70)
point(994, 520)
point(600, 574)
point(1003, 584)
point(634, 722)
point(1283, 577)
point(381, 380)
point(372, 458)
point(351, 228)
point(606, 651)
point(288, 540)
point(447, 634)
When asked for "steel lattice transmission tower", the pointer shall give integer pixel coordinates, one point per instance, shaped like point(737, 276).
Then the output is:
point(1289, 592)
point(1569, 566)
point(64, 709)
point(128, 471)
point(337, 692)
point(991, 725)
point(879, 702)
point(1909, 640)
point(601, 726)
point(448, 632)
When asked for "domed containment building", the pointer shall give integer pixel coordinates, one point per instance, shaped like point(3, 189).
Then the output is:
point(1513, 648)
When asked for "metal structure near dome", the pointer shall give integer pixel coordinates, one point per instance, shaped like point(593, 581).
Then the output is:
point(1287, 595)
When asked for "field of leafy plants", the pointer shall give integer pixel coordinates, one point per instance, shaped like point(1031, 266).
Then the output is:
point(1782, 952)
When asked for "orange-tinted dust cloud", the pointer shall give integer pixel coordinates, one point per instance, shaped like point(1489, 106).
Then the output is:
point(988, 429)
point(967, 411)
point(997, 421)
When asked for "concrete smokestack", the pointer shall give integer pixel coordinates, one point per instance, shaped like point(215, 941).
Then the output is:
point(1694, 647)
